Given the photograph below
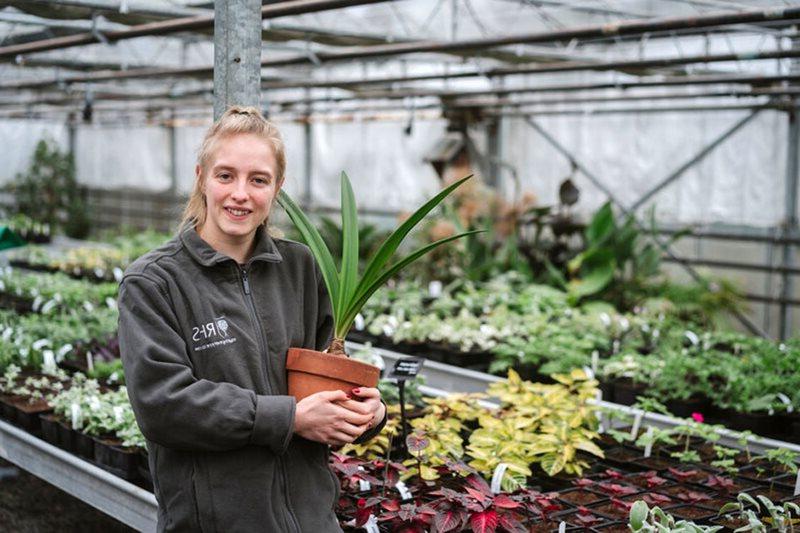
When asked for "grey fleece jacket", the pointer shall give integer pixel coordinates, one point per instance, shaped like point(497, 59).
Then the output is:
point(203, 345)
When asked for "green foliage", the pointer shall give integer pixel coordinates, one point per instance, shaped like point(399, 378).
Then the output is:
point(48, 192)
point(643, 519)
point(348, 291)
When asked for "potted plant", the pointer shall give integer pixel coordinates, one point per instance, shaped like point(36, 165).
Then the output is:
point(310, 371)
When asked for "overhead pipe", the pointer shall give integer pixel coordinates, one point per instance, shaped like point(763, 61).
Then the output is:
point(200, 22)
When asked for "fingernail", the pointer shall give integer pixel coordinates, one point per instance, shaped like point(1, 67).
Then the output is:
point(356, 391)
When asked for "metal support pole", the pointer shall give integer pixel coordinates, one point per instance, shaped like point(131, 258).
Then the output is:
point(308, 156)
point(237, 54)
point(664, 247)
point(173, 155)
point(494, 146)
point(790, 221)
point(694, 160)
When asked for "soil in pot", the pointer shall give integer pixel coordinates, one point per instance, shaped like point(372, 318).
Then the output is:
point(685, 474)
point(647, 480)
point(775, 494)
point(729, 522)
point(624, 458)
point(691, 512)
point(310, 371)
point(651, 499)
point(616, 527)
point(546, 526)
point(653, 463)
point(618, 510)
point(584, 518)
point(579, 497)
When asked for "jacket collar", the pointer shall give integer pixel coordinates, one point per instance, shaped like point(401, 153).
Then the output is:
point(203, 253)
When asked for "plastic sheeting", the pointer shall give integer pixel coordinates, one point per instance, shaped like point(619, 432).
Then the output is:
point(741, 182)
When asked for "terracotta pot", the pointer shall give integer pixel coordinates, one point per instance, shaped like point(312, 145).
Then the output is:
point(311, 371)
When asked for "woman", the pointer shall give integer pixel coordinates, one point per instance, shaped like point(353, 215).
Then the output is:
point(205, 323)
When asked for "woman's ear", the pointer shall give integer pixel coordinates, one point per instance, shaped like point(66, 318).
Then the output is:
point(198, 174)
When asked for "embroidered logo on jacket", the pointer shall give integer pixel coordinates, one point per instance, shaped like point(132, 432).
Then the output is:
point(216, 332)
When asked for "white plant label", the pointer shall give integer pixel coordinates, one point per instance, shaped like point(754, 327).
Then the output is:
point(372, 525)
point(359, 322)
point(89, 362)
point(363, 485)
point(598, 395)
point(41, 343)
point(601, 426)
point(648, 448)
point(797, 483)
point(595, 361)
point(435, 288)
point(693, 338)
point(405, 494)
point(37, 302)
point(99, 272)
point(63, 351)
point(118, 410)
point(49, 362)
point(786, 401)
point(589, 372)
point(562, 527)
point(76, 415)
point(88, 307)
point(497, 477)
point(117, 274)
point(637, 422)
point(111, 303)
point(113, 377)
point(48, 306)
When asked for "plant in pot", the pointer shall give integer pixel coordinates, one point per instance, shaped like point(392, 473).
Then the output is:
point(310, 371)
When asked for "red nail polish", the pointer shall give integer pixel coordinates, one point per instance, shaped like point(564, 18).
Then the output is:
point(356, 391)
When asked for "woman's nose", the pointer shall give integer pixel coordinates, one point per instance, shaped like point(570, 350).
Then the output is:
point(239, 191)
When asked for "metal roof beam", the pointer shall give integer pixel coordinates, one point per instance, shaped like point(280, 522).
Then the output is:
point(200, 22)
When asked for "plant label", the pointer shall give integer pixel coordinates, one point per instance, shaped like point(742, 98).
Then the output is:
point(595, 361)
point(406, 368)
point(405, 494)
point(89, 362)
point(786, 401)
point(363, 484)
point(372, 525)
point(77, 416)
point(117, 274)
point(435, 288)
point(497, 477)
point(797, 483)
point(589, 372)
point(49, 362)
point(637, 422)
point(562, 527)
point(648, 448)
point(358, 323)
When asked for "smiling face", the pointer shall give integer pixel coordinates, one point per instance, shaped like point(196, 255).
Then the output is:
point(239, 186)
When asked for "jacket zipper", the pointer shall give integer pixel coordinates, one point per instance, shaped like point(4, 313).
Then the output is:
point(262, 345)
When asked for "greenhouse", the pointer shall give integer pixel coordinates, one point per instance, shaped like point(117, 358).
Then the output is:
point(399, 265)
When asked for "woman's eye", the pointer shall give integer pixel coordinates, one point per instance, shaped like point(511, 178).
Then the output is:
point(261, 180)
point(224, 176)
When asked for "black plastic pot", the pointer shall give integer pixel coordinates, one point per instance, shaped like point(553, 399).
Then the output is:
point(110, 456)
point(685, 408)
point(49, 424)
point(84, 444)
point(66, 437)
point(7, 409)
point(626, 391)
point(27, 415)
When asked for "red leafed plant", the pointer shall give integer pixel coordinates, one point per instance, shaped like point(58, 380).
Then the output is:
point(682, 475)
point(720, 483)
point(613, 474)
point(691, 496)
point(615, 489)
point(583, 482)
point(478, 506)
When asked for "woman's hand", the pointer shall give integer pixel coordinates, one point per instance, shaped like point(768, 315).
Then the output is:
point(331, 417)
point(371, 398)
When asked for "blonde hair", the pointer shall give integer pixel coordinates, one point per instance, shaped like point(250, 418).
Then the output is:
point(236, 120)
